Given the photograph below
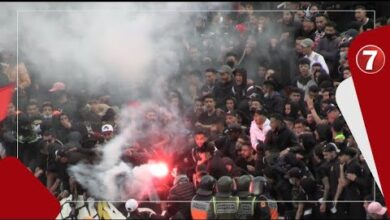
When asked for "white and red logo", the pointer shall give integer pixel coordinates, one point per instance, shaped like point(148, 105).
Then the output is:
point(370, 59)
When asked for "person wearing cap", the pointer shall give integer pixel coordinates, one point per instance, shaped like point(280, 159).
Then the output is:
point(240, 85)
point(223, 89)
point(328, 47)
point(107, 132)
point(307, 50)
point(259, 128)
point(61, 99)
point(352, 183)
point(224, 205)
point(247, 204)
point(273, 102)
point(201, 202)
point(305, 79)
point(332, 112)
point(375, 210)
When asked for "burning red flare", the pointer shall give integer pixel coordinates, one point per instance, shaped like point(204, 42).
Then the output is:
point(159, 169)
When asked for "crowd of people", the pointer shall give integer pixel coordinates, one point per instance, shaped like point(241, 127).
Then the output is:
point(264, 137)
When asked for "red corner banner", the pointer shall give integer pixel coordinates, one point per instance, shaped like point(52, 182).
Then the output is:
point(371, 77)
point(22, 195)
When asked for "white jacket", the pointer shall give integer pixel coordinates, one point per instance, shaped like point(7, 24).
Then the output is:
point(259, 134)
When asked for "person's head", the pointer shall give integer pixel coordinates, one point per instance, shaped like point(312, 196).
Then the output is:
point(225, 73)
point(210, 76)
point(314, 10)
point(287, 17)
point(329, 152)
point(234, 131)
point(259, 117)
point(332, 113)
point(276, 121)
point(230, 103)
point(64, 119)
point(298, 46)
point(231, 60)
point(107, 131)
point(360, 13)
point(327, 94)
point(240, 77)
point(269, 87)
point(198, 105)
point(206, 151)
point(304, 67)
point(347, 155)
point(330, 30)
point(231, 118)
point(11, 111)
point(295, 95)
point(300, 126)
point(321, 21)
point(32, 109)
point(209, 103)
point(287, 108)
point(294, 176)
point(151, 115)
point(200, 137)
point(255, 104)
point(47, 110)
point(314, 91)
point(246, 150)
point(346, 73)
point(307, 46)
point(308, 25)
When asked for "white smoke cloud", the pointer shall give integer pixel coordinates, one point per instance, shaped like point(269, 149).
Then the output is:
point(122, 46)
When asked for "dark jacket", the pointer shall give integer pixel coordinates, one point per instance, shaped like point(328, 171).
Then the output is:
point(280, 139)
point(274, 103)
point(221, 92)
point(183, 190)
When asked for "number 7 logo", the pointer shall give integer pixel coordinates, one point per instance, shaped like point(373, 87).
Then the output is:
point(370, 59)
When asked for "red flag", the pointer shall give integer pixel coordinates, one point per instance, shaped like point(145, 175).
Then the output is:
point(5, 99)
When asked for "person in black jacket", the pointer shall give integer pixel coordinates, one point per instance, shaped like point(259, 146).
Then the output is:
point(223, 89)
point(280, 138)
point(273, 102)
point(213, 161)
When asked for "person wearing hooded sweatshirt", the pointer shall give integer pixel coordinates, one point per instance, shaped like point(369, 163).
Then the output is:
point(223, 88)
point(305, 80)
point(240, 86)
point(259, 128)
point(231, 167)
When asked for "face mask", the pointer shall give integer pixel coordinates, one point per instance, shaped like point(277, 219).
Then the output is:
point(329, 36)
point(230, 63)
point(292, 182)
point(36, 128)
point(47, 116)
